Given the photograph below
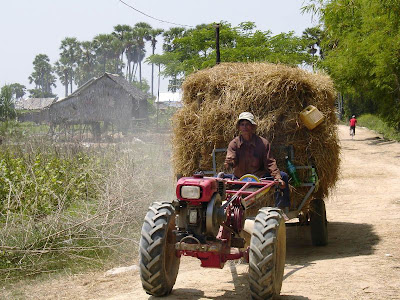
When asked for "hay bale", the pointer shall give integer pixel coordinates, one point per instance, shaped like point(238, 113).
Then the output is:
point(275, 94)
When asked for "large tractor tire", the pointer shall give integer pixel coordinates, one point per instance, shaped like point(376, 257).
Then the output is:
point(159, 264)
point(318, 223)
point(267, 254)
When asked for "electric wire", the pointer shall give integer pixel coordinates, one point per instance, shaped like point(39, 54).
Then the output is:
point(135, 9)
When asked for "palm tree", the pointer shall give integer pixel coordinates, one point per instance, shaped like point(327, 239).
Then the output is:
point(121, 32)
point(106, 49)
point(86, 63)
point(42, 76)
point(153, 35)
point(68, 62)
point(142, 34)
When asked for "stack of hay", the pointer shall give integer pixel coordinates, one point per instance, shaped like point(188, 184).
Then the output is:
point(275, 94)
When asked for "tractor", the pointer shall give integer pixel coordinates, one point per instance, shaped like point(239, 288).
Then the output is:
point(213, 219)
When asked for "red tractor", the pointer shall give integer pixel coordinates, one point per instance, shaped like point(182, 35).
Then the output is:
point(211, 220)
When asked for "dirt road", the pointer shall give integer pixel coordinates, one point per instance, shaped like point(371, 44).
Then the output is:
point(362, 260)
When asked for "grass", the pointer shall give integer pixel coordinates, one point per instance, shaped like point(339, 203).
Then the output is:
point(375, 123)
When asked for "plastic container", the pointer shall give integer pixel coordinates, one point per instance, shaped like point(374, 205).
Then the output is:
point(311, 117)
point(292, 172)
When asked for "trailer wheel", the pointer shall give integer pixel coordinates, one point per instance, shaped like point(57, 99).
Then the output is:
point(267, 254)
point(318, 223)
point(158, 261)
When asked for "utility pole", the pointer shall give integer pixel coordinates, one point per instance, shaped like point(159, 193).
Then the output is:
point(158, 92)
point(217, 26)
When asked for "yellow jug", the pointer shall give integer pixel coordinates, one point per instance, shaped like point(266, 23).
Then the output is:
point(311, 117)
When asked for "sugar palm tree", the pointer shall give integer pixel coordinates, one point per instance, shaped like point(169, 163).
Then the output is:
point(153, 35)
point(141, 34)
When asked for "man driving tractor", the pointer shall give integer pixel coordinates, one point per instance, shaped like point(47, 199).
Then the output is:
point(249, 153)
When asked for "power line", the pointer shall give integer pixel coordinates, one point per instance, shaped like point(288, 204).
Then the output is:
point(153, 17)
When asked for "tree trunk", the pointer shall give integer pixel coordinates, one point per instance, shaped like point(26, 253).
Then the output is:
point(152, 73)
point(140, 73)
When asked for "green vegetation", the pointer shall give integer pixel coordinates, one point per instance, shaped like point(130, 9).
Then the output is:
point(360, 43)
point(187, 50)
point(7, 110)
point(68, 207)
point(375, 123)
point(43, 77)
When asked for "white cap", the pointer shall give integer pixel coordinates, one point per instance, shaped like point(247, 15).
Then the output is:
point(247, 116)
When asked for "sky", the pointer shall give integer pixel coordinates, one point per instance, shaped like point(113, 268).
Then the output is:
point(32, 27)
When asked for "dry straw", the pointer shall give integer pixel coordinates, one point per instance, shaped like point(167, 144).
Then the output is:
point(275, 94)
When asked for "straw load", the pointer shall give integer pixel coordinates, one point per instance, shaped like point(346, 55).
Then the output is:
point(275, 94)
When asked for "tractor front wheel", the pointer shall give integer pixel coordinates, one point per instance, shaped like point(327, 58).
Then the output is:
point(318, 223)
point(267, 254)
point(158, 261)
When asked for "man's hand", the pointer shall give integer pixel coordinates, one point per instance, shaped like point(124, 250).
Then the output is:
point(229, 163)
point(282, 184)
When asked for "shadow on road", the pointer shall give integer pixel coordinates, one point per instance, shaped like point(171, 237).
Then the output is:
point(345, 239)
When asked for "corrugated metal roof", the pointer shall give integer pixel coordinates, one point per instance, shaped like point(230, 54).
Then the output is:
point(34, 103)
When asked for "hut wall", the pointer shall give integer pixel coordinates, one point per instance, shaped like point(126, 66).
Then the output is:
point(104, 100)
point(38, 117)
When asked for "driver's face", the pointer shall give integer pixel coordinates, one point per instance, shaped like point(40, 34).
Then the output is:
point(245, 127)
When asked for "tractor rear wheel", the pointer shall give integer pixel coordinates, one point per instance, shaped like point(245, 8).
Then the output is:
point(267, 254)
point(158, 261)
point(318, 223)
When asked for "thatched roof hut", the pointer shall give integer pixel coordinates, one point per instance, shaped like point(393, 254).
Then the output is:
point(109, 98)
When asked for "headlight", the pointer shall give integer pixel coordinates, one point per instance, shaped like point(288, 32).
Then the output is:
point(190, 192)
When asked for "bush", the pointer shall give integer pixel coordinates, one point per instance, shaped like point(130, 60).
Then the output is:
point(74, 206)
point(375, 123)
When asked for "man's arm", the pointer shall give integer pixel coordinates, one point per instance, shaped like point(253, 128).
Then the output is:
point(270, 162)
point(231, 157)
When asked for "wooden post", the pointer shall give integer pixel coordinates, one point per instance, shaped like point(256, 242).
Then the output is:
point(217, 26)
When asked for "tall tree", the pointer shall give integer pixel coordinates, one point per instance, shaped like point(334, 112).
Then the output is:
point(122, 33)
point(141, 34)
point(86, 69)
point(18, 90)
point(107, 50)
point(154, 33)
point(66, 66)
point(43, 77)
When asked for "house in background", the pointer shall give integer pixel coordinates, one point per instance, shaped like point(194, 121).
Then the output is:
point(33, 109)
point(104, 101)
point(169, 99)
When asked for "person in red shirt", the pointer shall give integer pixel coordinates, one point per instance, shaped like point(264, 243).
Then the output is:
point(249, 153)
point(353, 122)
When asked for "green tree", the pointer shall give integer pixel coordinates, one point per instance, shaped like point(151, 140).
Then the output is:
point(361, 53)
point(86, 69)
point(154, 33)
point(188, 50)
point(18, 90)
point(7, 109)
point(43, 77)
point(66, 66)
point(141, 34)
point(107, 51)
point(122, 33)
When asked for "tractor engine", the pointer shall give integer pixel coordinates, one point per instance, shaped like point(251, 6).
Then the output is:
point(199, 211)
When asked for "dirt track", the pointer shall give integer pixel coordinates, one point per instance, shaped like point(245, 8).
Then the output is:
point(362, 260)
